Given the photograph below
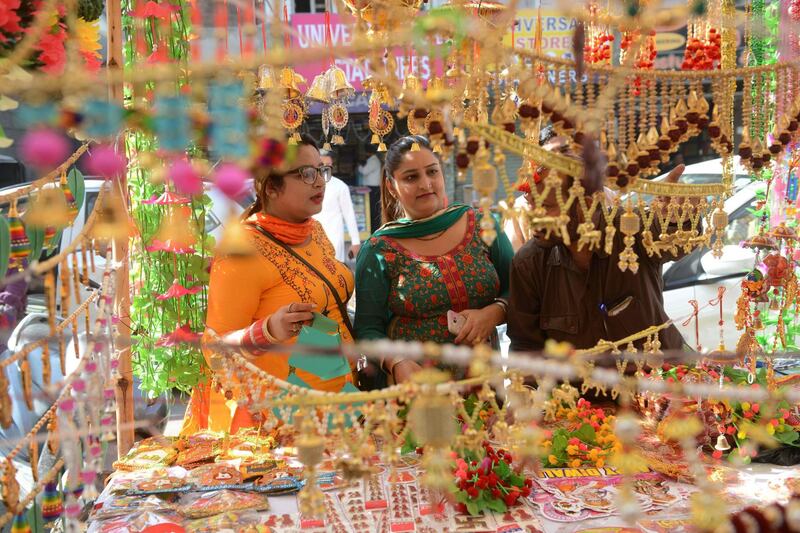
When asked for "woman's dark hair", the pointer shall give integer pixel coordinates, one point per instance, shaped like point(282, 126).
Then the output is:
point(391, 209)
point(272, 177)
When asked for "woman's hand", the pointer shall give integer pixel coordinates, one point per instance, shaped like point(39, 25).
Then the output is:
point(287, 321)
point(480, 324)
point(403, 370)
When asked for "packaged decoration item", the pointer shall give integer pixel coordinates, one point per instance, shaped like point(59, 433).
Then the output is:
point(257, 465)
point(161, 483)
point(215, 474)
point(149, 453)
point(124, 505)
point(203, 453)
point(230, 521)
point(216, 502)
point(138, 523)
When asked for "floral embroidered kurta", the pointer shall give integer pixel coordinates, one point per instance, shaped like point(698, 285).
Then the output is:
point(403, 295)
point(243, 290)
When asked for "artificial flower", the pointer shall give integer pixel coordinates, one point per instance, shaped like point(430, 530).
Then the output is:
point(9, 18)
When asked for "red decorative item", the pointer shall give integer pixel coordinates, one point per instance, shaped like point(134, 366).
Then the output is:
point(703, 54)
point(177, 291)
point(179, 336)
point(488, 482)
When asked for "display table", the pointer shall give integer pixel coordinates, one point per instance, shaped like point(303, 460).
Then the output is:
point(563, 500)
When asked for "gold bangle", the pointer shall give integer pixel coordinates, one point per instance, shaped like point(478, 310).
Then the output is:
point(265, 331)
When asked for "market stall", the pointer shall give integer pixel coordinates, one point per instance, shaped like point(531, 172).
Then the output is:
point(622, 434)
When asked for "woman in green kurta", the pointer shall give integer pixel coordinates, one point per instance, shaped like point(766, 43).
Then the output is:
point(425, 260)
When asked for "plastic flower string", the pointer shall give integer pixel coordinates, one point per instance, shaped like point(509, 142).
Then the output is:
point(9, 19)
point(587, 439)
point(489, 481)
point(88, 36)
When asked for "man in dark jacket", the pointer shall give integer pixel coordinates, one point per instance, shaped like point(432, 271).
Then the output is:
point(581, 296)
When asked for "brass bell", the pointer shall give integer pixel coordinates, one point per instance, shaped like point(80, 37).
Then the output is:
point(49, 208)
point(340, 88)
point(319, 90)
point(290, 81)
point(266, 79)
point(410, 87)
point(722, 444)
point(436, 91)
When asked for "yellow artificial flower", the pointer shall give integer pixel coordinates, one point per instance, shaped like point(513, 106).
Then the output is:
point(88, 34)
point(576, 463)
point(572, 449)
point(742, 434)
point(745, 406)
point(770, 429)
point(553, 460)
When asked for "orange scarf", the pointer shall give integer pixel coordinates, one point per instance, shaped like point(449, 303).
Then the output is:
point(286, 232)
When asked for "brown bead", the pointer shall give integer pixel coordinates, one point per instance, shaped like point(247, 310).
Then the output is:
point(612, 170)
point(714, 131)
point(692, 117)
point(632, 169)
point(745, 152)
point(775, 148)
point(546, 109)
point(622, 181)
point(568, 125)
point(462, 160)
point(702, 122)
point(793, 125)
point(509, 127)
point(526, 111)
point(472, 146)
point(435, 128)
point(556, 117)
point(643, 159)
point(664, 144)
point(579, 137)
point(785, 137)
point(674, 135)
point(683, 125)
point(420, 113)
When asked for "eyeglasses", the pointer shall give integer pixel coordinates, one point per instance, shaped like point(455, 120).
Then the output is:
point(309, 174)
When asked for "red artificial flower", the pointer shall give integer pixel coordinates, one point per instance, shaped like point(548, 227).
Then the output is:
point(153, 9)
point(52, 53)
point(9, 19)
point(91, 61)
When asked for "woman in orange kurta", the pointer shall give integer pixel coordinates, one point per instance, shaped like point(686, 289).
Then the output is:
point(268, 296)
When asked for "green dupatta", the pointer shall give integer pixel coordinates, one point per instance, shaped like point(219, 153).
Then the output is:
point(405, 228)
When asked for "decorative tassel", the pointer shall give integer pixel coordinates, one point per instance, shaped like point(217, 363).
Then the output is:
point(20, 523)
point(25, 376)
point(382, 147)
point(5, 401)
point(326, 146)
point(52, 435)
point(52, 502)
point(10, 490)
point(375, 139)
point(72, 206)
point(33, 452)
point(415, 147)
point(49, 234)
point(47, 371)
point(20, 244)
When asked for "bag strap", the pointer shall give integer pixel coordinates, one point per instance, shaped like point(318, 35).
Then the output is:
point(320, 275)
